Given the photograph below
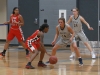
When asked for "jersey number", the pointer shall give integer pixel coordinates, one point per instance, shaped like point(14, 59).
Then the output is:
point(75, 25)
point(13, 21)
point(63, 35)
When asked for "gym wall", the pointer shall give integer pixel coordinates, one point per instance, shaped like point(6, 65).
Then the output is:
point(50, 11)
point(10, 5)
point(89, 10)
point(3, 18)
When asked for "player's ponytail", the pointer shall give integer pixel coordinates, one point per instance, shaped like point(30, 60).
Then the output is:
point(43, 26)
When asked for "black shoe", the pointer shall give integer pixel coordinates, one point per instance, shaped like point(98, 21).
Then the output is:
point(29, 67)
point(41, 64)
point(2, 54)
point(80, 62)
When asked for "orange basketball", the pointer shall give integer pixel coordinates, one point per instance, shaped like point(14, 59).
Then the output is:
point(53, 60)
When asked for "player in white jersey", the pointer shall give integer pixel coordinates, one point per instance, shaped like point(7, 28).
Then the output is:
point(66, 37)
point(77, 21)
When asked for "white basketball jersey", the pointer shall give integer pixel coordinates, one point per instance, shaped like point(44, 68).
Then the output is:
point(77, 25)
point(64, 34)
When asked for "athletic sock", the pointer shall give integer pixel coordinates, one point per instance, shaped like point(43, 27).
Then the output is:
point(29, 63)
point(92, 52)
point(4, 51)
point(40, 61)
point(27, 51)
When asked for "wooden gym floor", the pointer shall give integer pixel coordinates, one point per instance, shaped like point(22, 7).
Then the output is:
point(15, 61)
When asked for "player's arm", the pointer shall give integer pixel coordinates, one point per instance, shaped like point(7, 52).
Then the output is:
point(42, 36)
point(72, 32)
point(43, 48)
point(41, 42)
point(8, 22)
point(69, 20)
point(56, 36)
point(86, 23)
point(21, 23)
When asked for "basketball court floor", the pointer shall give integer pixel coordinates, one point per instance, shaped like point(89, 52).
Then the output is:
point(15, 61)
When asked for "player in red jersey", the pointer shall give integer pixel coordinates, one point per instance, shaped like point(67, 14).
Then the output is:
point(34, 44)
point(16, 21)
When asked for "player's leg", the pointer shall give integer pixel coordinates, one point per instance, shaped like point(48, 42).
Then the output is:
point(90, 48)
point(20, 37)
point(40, 63)
point(29, 66)
point(72, 52)
point(57, 46)
point(77, 52)
point(27, 51)
point(86, 43)
point(9, 38)
point(33, 49)
point(54, 49)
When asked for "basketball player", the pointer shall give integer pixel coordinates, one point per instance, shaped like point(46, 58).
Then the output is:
point(16, 21)
point(34, 44)
point(77, 21)
point(66, 36)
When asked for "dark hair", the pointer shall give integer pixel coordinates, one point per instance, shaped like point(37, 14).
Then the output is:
point(63, 19)
point(14, 10)
point(43, 26)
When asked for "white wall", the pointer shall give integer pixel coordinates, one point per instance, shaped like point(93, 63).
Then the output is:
point(3, 18)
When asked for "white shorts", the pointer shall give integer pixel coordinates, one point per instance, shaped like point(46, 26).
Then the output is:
point(66, 42)
point(81, 36)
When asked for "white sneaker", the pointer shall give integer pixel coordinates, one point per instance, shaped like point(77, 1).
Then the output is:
point(72, 55)
point(93, 56)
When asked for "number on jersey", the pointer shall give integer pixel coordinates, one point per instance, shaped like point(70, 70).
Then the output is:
point(63, 35)
point(75, 25)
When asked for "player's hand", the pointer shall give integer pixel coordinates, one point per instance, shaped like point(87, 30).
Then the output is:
point(48, 54)
point(16, 22)
point(90, 28)
point(53, 43)
point(71, 39)
point(5, 23)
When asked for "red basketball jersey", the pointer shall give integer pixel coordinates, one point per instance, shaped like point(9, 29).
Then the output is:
point(34, 38)
point(14, 18)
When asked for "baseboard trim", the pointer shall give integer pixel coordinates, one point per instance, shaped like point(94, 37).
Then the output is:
point(49, 45)
point(13, 44)
point(2, 40)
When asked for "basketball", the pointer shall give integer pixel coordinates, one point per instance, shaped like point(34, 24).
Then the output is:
point(53, 60)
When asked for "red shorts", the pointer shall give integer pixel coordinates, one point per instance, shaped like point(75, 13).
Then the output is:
point(32, 46)
point(15, 33)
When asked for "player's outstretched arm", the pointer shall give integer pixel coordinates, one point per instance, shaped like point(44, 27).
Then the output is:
point(86, 23)
point(69, 20)
point(56, 36)
point(72, 32)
